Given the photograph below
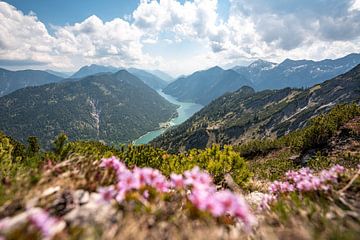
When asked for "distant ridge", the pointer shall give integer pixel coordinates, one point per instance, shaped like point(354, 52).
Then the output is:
point(148, 78)
point(13, 80)
point(296, 73)
point(59, 74)
point(204, 86)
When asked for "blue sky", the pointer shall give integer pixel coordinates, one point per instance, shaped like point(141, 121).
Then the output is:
point(69, 11)
point(176, 36)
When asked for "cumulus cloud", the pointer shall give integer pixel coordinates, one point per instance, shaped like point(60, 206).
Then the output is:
point(196, 18)
point(355, 5)
point(271, 30)
point(116, 42)
point(299, 29)
point(24, 39)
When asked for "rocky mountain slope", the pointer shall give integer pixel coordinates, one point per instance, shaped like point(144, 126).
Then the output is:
point(111, 107)
point(13, 80)
point(296, 73)
point(204, 86)
point(246, 114)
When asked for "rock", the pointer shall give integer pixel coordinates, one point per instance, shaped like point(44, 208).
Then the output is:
point(33, 202)
point(50, 191)
point(94, 211)
point(63, 204)
point(307, 156)
point(10, 224)
point(294, 158)
point(254, 198)
point(81, 197)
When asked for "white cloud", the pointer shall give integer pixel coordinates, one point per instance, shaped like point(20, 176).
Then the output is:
point(271, 30)
point(191, 19)
point(355, 5)
point(115, 42)
point(275, 30)
point(24, 39)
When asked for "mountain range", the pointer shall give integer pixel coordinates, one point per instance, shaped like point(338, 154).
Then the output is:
point(204, 86)
point(295, 73)
point(148, 78)
point(13, 80)
point(245, 114)
point(113, 107)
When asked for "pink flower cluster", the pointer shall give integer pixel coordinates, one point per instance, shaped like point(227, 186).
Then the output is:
point(303, 180)
point(202, 192)
point(129, 180)
point(43, 222)
point(205, 197)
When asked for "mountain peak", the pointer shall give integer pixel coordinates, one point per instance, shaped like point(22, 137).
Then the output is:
point(261, 65)
point(215, 68)
point(246, 89)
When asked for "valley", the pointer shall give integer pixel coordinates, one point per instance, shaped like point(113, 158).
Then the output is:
point(184, 112)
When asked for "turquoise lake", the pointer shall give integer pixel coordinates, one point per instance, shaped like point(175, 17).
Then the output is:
point(185, 111)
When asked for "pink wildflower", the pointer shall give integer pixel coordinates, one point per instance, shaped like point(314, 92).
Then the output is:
point(107, 193)
point(144, 175)
point(199, 198)
point(304, 180)
point(46, 224)
point(128, 181)
point(266, 201)
point(227, 200)
point(338, 169)
point(146, 194)
point(191, 175)
point(212, 206)
point(177, 181)
point(120, 196)
point(203, 193)
point(115, 164)
point(243, 212)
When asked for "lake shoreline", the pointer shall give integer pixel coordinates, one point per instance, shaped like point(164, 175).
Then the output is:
point(167, 126)
point(183, 112)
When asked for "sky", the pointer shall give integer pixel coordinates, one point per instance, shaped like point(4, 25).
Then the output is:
point(178, 37)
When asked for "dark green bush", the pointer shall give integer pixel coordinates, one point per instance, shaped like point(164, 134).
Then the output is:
point(218, 162)
point(315, 135)
point(321, 128)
